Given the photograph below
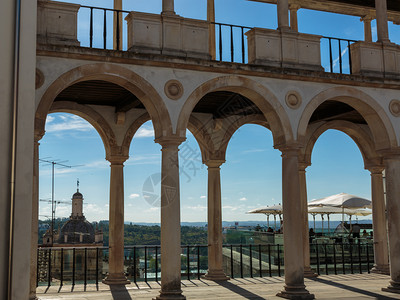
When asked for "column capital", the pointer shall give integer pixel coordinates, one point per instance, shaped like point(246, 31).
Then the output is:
point(38, 135)
point(367, 18)
point(117, 159)
point(289, 149)
point(376, 170)
point(170, 141)
point(303, 166)
point(294, 6)
point(215, 163)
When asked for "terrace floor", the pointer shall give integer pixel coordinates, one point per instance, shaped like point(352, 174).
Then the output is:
point(351, 286)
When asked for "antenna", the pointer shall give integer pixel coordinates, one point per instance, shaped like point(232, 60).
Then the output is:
point(53, 203)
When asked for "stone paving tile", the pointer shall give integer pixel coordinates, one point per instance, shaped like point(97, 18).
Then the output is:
point(351, 286)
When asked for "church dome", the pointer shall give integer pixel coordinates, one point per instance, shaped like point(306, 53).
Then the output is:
point(77, 231)
point(77, 195)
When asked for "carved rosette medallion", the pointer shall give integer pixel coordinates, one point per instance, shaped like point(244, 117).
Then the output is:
point(394, 108)
point(293, 99)
point(173, 89)
point(39, 79)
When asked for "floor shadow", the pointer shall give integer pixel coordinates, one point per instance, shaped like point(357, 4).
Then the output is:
point(240, 291)
point(120, 292)
point(352, 288)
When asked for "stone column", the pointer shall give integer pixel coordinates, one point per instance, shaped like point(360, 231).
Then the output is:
point(381, 254)
point(211, 30)
point(117, 20)
point(215, 271)
point(116, 275)
point(170, 221)
point(392, 169)
point(367, 28)
point(308, 272)
point(35, 218)
point(283, 14)
point(168, 7)
point(293, 16)
point(382, 20)
point(293, 233)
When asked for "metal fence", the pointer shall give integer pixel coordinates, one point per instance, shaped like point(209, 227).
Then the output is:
point(60, 266)
point(96, 30)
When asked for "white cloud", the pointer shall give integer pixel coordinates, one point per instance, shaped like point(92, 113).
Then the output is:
point(152, 209)
point(148, 159)
point(203, 197)
point(64, 123)
point(243, 199)
point(144, 132)
point(254, 151)
point(133, 196)
point(197, 208)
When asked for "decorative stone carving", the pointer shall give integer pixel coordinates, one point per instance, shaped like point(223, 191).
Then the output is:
point(394, 107)
point(173, 89)
point(293, 99)
point(39, 80)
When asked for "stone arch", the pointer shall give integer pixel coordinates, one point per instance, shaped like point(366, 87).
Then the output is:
point(361, 137)
point(203, 138)
point(133, 128)
point(195, 126)
point(266, 101)
point(258, 120)
point(382, 131)
point(127, 79)
point(91, 116)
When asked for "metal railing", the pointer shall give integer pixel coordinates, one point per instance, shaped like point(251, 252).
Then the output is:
point(231, 40)
point(336, 55)
point(101, 23)
point(235, 37)
point(60, 266)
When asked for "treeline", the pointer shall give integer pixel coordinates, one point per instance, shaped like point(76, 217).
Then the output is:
point(137, 234)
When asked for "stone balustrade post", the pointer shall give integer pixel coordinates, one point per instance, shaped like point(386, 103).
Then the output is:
point(170, 221)
point(367, 28)
point(117, 43)
point(381, 255)
point(211, 30)
point(116, 275)
point(293, 17)
point(168, 7)
point(283, 14)
point(293, 232)
point(382, 21)
point(215, 271)
point(392, 169)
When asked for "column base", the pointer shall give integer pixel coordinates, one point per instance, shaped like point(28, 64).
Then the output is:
point(381, 270)
point(394, 287)
point(171, 295)
point(215, 275)
point(116, 279)
point(295, 292)
point(309, 273)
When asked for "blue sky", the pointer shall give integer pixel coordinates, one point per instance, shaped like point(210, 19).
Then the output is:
point(251, 177)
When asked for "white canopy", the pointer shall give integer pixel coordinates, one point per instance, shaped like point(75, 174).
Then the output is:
point(268, 210)
point(342, 200)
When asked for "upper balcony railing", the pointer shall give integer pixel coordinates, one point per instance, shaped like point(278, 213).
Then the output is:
point(111, 29)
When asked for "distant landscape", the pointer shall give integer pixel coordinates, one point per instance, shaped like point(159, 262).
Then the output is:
point(192, 233)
